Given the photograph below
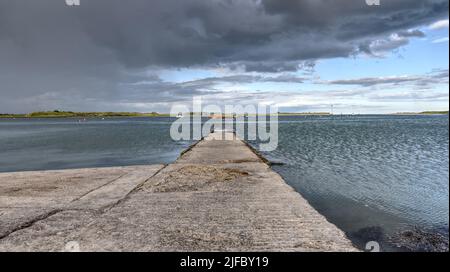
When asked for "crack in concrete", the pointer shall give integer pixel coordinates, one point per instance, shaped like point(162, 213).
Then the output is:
point(135, 189)
point(99, 187)
point(30, 223)
point(102, 210)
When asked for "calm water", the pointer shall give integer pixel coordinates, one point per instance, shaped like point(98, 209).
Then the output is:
point(67, 143)
point(386, 173)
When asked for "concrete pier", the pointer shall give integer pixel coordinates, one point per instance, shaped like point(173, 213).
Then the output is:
point(218, 196)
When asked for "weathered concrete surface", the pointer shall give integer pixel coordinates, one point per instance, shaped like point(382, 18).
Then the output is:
point(26, 197)
point(218, 196)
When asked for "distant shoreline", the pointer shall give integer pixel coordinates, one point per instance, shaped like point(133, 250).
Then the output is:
point(70, 114)
point(423, 113)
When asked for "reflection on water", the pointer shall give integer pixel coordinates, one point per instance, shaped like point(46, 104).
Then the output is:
point(370, 175)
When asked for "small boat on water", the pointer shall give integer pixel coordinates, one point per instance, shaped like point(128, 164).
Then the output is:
point(180, 115)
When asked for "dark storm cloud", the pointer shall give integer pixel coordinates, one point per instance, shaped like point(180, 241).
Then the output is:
point(194, 32)
point(411, 33)
point(270, 66)
point(242, 79)
point(51, 51)
point(435, 77)
point(371, 81)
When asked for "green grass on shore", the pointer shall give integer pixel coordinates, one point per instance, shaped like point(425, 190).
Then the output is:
point(434, 112)
point(67, 114)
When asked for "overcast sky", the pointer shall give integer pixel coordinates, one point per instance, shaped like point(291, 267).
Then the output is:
point(146, 55)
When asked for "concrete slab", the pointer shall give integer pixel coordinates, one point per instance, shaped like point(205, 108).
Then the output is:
point(29, 196)
point(218, 196)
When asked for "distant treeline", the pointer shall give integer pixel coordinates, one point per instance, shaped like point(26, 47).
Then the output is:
point(57, 113)
point(434, 112)
point(424, 113)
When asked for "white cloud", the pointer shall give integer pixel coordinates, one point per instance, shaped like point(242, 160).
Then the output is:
point(441, 40)
point(439, 25)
